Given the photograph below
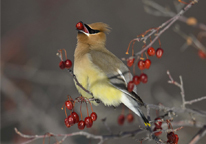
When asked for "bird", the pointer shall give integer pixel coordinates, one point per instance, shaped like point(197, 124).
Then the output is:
point(102, 73)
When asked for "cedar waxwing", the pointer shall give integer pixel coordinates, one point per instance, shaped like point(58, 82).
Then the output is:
point(101, 72)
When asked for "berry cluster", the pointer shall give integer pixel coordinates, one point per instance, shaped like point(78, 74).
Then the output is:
point(158, 126)
point(142, 64)
point(171, 137)
point(64, 64)
point(121, 118)
point(73, 118)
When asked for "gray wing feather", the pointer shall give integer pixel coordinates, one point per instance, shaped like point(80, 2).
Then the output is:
point(116, 71)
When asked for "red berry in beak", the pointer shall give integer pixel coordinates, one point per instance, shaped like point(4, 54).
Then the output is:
point(80, 26)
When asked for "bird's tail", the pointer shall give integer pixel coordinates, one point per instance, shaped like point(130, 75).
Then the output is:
point(146, 122)
point(135, 107)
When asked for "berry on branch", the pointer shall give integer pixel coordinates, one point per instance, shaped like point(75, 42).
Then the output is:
point(67, 122)
point(130, 117)
point(62, 64)
point(81, 125)
point(141, 64)
point(147, 63)
point(159, 52)
point(136, 80)
point(68, 64)
point(121, 119)
point(76, 117)
point(130, 62)
point(93, 116)
point(69, 105)
point(143, 78)
point(88, 122)
point(130, 86)
point(151, 51)
point(71, 120)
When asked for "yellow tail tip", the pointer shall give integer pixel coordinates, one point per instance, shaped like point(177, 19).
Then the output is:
point(127, 53)
point(147, 124)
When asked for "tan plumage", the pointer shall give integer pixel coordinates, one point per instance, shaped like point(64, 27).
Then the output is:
point(101, 72)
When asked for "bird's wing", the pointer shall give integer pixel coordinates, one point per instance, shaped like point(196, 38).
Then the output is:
point(116, 71)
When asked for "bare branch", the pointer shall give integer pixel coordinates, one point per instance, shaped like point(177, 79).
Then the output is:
point(201, 133)
point(195, 100)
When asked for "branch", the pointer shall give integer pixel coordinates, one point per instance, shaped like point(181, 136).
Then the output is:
point(162, 11)
point(201, 133)
point(166, 25)
point(180, 85)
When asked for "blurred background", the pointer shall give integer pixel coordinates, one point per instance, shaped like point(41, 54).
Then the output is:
point(34, 88)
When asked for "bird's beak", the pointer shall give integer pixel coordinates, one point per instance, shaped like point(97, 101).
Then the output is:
point(83, 28)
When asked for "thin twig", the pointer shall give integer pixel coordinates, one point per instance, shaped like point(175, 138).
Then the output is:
point(195, 100)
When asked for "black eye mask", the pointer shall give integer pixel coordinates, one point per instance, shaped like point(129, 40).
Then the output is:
point(91, 31)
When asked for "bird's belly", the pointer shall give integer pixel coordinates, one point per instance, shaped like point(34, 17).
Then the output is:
point(97, 82)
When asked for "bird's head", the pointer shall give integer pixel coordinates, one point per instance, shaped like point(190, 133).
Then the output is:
point(92, 34)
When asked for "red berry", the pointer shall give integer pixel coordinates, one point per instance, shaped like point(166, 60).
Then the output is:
point(93, 116)
point(121, 120)
point(159, 52)
point(68, 64)
point(76, 117)
point(141, 64)
point(67, 122)
point(71, 120)
point(136, 79)
point(69, 104)
point(158, 122)
point(143, 78)
point(81, 125)
point(176, 138)
point(130, 62)
point(147, 63)
point(130, 118)
point(151, 51)
point(62, 64)
point(157, 133)
point(201, 54)
point(80, 26)
point(88, 122)
point(171, 137)
point(130, 86)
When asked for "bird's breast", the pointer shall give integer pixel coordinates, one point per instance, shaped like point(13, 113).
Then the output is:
point(95, 80)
